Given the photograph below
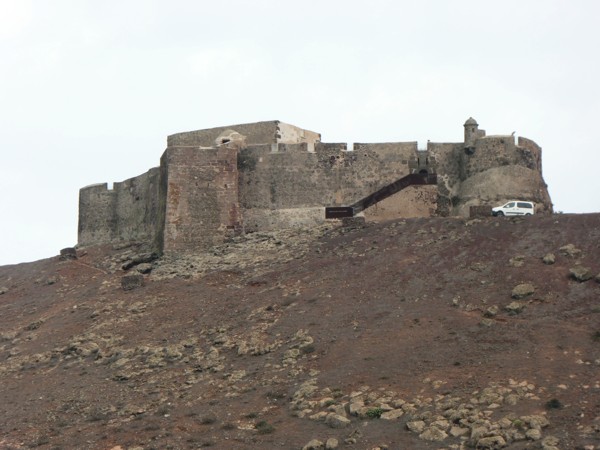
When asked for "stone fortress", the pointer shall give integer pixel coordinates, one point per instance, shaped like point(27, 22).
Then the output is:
point(217, 182)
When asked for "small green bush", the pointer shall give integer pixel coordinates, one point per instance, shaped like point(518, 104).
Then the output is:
point(374, 413)
point(264, 427)
point(554, 404)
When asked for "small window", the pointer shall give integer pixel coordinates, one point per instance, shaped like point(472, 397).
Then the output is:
point(510, 205)
point(525, 205)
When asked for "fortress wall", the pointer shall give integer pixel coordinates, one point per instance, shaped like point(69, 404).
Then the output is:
point(125, 213)
point(291, 187)
point(491, 151)
point(374, 166)
point(530, 153)
point(448, 159)
point(201, 198)
point(97, 220)
point(136, 207)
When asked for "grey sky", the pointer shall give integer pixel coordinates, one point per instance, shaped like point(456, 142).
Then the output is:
point(89, 90)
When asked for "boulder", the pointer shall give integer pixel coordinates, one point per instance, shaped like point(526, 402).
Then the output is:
point(581, 273)
point(68, 253)
point(331, 444)
point(514, 308)
point(549, 258)
point(315, 444)
point(392, 415)
point(433, 434)
point(336, 421)
point(133, 281)
point(522, 290)
point(570, 250)
point(416, 426)
point(492, 442)
point(3, 290)
point(144, 268)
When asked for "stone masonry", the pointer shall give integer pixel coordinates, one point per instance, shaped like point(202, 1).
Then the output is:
point(270, 175)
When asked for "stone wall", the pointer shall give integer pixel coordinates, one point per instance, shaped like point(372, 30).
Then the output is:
point(272, 184)
point(201, 204)
point(128, 212)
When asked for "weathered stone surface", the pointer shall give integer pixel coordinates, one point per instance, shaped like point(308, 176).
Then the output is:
point(458, 431)
point(581, 273)
point(331, 444)
point(68, 253)
point(570, 250)
point(522, 290)
point(517, 261)
point(416, 426)
point(392, 415)
point(598, 278)
point(491, 442)
point(533, 434)
point(514, 307)
point(549, 258)
point(433, 434)
point(144, 268)
point(336, 421)
point(3, 290)
point(133, 281)
point(314, 444)
point(139, 259)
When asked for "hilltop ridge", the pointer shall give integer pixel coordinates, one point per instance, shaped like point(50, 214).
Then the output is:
point(423, 333)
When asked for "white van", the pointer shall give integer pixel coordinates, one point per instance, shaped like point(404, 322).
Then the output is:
point(514, 208)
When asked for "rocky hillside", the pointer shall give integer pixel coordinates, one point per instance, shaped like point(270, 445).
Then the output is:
point(416, 334)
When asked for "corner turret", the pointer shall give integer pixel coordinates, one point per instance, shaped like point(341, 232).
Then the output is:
point(472, 133)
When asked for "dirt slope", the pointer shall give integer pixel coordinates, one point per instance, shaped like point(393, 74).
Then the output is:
point(402, 335)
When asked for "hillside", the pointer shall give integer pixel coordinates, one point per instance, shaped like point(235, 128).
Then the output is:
point(432, 333)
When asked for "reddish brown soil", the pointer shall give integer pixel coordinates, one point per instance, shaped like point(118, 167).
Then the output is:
point(396, 306)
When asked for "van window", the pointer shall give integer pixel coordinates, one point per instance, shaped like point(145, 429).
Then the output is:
point(510, 205)
point(525, 205)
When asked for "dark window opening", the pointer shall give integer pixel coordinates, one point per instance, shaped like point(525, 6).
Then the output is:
point(423, 172)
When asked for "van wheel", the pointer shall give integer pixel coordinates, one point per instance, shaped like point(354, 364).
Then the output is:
point(528, 214)
point(500, 213)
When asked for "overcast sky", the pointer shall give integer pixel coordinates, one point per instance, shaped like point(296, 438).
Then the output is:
point(90, 90)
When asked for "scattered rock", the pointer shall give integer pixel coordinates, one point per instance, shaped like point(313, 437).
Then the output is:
point(492, 311)
point(133, 281)
point(314, 444)
point(392, 415)
point(549, 258)
point(144, 268)
point(331, 444)
point(416, 426)
point(491, 442)
point(550, 443)
point(570, 250)
point(336, 421)
point(68, 253)
point(514, 308)
point(522, 290)
point(533, 434)
point(581, 273)
point(4, 290)
point(517, 261)
point(139, 259)
point(433, 434)
point(597, 278)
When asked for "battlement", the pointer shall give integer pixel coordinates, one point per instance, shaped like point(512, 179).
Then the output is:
point(267, 175)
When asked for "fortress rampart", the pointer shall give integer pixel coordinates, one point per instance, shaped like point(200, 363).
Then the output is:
point(268, 175)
